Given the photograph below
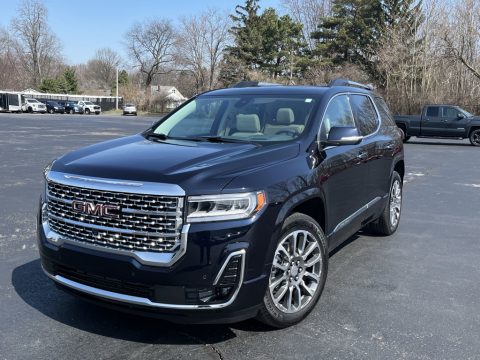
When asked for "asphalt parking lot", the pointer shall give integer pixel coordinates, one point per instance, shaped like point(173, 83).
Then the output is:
point(414, 295)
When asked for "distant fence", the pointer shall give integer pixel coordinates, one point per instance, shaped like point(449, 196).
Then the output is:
point(106, 102)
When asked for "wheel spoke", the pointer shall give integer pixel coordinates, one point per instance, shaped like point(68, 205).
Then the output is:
point(279, 266)
point(280, 294)
point(315, 259)
point(293, 245)
point(312, 246)
point(311, 275)
point(289, 299)
point(278, 281)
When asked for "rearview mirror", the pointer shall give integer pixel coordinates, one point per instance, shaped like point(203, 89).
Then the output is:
point(340, 135)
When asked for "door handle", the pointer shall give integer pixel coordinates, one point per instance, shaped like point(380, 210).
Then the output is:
point(390, 146)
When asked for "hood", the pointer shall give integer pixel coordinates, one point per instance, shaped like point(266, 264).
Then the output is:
point(198, 167)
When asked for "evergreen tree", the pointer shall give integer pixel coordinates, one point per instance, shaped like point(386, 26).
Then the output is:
point(351, 34)
point(122, 78)
point(264, 42)
point(71, 82)
point(247, 33)
point(282, 44)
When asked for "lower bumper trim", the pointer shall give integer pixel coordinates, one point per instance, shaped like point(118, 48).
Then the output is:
point(136, 300)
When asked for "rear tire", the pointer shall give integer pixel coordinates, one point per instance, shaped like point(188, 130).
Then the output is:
point(298, 274)
point(388, 222)
point(475, 137)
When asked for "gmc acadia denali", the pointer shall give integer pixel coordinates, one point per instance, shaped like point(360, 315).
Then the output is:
point(228, 207)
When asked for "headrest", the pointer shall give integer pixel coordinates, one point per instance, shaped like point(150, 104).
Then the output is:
point(285, 116)
point(248, 123)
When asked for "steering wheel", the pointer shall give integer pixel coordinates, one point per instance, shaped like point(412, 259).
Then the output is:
point(287, 132)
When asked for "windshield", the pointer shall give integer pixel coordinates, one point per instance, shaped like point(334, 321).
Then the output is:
point(467, 114)
point(244, 118)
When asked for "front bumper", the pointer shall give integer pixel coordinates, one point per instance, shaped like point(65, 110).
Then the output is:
point(166, 292)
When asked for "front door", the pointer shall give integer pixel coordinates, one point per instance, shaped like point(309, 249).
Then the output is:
point(342, 173)
point(454, 122)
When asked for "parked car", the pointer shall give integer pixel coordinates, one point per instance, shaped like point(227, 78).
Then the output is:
point(71, 107)
point(129, 109)
point(54, 107)
point(33, 105)
point(441, 121)
point(89, 107)
point(228, 207)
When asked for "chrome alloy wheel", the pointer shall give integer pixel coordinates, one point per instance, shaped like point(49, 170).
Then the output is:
point(296, 271)
point(395, 203)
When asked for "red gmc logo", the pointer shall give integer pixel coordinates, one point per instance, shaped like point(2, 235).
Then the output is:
point(96, 209)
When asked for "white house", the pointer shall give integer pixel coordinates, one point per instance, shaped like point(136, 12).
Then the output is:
point(168, 94)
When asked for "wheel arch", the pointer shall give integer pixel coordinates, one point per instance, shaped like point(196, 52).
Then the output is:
point(310, 202)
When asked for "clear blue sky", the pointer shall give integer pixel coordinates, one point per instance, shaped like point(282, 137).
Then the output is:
point(87, 25)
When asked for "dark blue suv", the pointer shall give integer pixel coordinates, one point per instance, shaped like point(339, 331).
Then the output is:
point(228, 207)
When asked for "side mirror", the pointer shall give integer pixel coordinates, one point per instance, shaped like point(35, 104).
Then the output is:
point(460, 116)
point(340, 135)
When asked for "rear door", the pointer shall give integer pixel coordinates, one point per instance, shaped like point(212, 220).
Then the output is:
point(377, 147)
point(432, 124)
point(454, 125)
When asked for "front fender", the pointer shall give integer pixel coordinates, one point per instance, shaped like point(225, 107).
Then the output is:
point(297, 199)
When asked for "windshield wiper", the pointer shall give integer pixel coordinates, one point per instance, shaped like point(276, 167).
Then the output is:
point(159, 136)
point(216, 139)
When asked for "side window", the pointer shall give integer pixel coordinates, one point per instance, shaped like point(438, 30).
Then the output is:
point(432, 111)
point(338, 114)
point(449, 112)
point(365, 114)
point(384, 111)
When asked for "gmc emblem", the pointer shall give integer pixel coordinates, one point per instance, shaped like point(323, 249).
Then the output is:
point(96, 209)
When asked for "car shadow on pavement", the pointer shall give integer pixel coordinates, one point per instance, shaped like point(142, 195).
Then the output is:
point(33, 287)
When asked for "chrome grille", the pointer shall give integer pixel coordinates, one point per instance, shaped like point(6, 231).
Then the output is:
point(144, 223)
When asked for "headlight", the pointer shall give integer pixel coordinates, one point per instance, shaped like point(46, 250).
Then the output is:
point(225, 207)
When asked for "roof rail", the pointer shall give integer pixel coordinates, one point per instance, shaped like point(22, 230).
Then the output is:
point(243, 84)
point(346, 82)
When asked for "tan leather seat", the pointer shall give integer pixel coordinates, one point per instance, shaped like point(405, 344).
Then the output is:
point(247, 125)
point(284, 123)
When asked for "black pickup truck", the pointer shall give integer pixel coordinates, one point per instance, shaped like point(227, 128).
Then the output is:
point(441, 121)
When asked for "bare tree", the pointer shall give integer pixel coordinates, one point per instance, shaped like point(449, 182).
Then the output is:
point(200, 46)
point(103, 67)
point(150, 46)
point(37, 47)
point(308, 13)
point(462, 36)
point(10, 68)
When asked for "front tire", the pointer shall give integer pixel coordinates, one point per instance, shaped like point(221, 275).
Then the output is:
point(298, 273)
point(475, 137)
point(87, 111)
point(388, 222)
point(71, 112)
